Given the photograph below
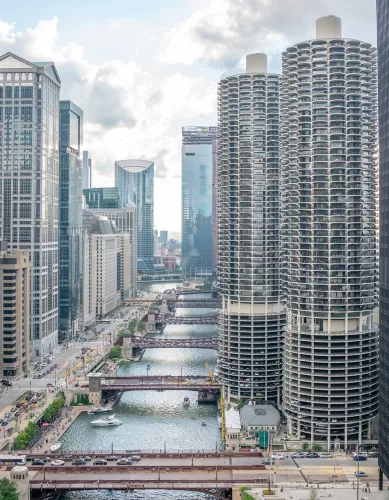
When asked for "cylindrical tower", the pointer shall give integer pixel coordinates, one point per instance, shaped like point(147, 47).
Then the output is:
point(329, 135)
point(251, 318)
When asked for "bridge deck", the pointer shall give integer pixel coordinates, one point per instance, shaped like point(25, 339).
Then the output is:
point(170, 386)
point(201, 343)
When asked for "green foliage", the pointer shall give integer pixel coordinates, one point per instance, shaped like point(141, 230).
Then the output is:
point(305, 446)
point(8, 490)
point(141, 326)
point(54, 408)
point(115, 352)
point(23, 438)
point(313, 495)
point(316, 447)
point(247, 496)
point(240, 404)
point(80, 400)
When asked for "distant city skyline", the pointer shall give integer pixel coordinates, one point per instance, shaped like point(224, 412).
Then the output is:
point(153, 86)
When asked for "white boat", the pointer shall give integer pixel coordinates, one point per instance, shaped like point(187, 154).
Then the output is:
point(107, 422)
point(99, 409)
point(56, 446)
point(186, 401)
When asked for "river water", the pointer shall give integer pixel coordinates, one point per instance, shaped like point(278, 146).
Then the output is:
point(156, 420)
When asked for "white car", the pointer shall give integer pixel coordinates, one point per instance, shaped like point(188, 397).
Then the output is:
point(326, 455)
point(278, 456)
point(57, 462)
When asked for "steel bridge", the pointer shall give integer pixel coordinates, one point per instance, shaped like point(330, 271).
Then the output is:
point(200, 343)
point(203, 303)
point(190, 320)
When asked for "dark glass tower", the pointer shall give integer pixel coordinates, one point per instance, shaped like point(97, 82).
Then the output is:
point(70, 218)
point(383, 97)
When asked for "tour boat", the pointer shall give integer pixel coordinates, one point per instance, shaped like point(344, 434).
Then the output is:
point(186, 401)
point(98, 409)
point(106, 422)
point(56, 446)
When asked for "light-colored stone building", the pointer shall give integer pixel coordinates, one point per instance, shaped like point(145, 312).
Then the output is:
point(256, 418)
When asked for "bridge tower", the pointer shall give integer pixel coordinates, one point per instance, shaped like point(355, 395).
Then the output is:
point(95, 388)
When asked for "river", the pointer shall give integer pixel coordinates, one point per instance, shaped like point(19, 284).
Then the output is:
point(156, 420)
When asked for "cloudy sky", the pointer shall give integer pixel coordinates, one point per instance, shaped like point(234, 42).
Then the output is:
point(141, 70)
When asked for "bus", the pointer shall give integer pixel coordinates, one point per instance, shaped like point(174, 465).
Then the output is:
point(13, 459)
point(104, 321)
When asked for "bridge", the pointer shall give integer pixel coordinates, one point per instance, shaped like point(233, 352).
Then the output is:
point(213, 473)
point(187, 320)
point(195, 291)
point(200, 343)
point(159, 383)
point(203, 303)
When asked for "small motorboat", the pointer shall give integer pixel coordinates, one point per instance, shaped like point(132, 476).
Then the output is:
point(56, 446)
point(186, 401)
point(107, 422)
point(203, 424)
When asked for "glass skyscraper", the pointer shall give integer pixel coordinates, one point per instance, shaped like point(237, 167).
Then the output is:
point(29, 167)
point(198, 167)
point(135, 182)
point(383, 96)
point(86, 170)
point(102, 197)
point(70, 218)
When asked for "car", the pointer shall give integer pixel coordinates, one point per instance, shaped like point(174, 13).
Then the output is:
point(268, 461)
point(361, 473)
point(7, 414)
point(278, 456)
point(46, 459)
point(298, 455)
point(326, 455)
point(18, 405)
point(101, 461)
point(13, 409)
point(135, 458)
point(57, 462)
point(373, 454)
point(68, 458)
point(359, 458)
point(38, 462)
point(312, 455)
point(123, 461)
point(111, 458)
point(78, 461)
point(87, 458)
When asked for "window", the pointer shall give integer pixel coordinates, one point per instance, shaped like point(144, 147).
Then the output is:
point(26, 92)
point(26, 114)
point(25, 234)
point(16, 76)
point(25, 211)
point(23, 76)
point(8, 92)
point(25, 186)
point(9, 76)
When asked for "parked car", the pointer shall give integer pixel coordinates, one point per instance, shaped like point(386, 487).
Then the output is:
point(359, 458)
point(326, 455)
point(361, 473)
point(298, 455)
point(100, 462)
point(312, 455)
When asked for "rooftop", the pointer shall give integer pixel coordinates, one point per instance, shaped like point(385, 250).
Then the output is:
point(259, 415)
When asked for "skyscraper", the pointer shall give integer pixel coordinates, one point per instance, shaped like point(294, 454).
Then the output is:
point(29, 159)
point(329, 136)
point(70, 218)
point(383, 96)
point(102, 197)
point(198, 165)
point(86, 170)
point(135, 182)
point(252, 317)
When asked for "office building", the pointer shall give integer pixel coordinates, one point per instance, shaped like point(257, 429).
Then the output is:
point(252, 316)
point(102, 198)
point(329, 135)
point(106, 267)
point(198, 166)
point(29, 159)
point(383, 96)
point(163, 237)
point(124, 220)
point(70, 219)
point(135, 182)
point(86, 170)
point(14, 312)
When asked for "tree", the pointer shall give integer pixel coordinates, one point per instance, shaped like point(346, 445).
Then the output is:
point(141, 326)
point(240, 404)
point(8, 490)
point(305, 446)
point(115, 352)
point(316, 447)
point(313, 495)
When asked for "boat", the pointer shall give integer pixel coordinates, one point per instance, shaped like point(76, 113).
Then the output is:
point(56, 446)
point(186, 401)
point(99, 409)
point(107, 422)
point(203, 424)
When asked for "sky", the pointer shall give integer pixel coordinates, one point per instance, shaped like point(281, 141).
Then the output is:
point(141, 70)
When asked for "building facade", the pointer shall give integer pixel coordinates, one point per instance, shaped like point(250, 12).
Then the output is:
point(252, 316)
point(102, 197)
point(70, 219)
point(198, 166)
point(29, 168)
point(383, 96)
point(125, 222)
point(15, 311)
point(135, 182)
point(86, 170)
point(329, 138)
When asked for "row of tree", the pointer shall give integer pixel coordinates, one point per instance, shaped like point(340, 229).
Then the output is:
point(54, 408)
point(24, 437)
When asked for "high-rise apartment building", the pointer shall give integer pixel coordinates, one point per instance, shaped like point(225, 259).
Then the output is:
point(86, 170)
point(198, 227)
point(29, 167)
point(329, 136)
point(125, 222)
point(14, 312)
point(252, 316)
point(102, 198)
point(70, 218)
point(135, 182)
point(383, 97)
